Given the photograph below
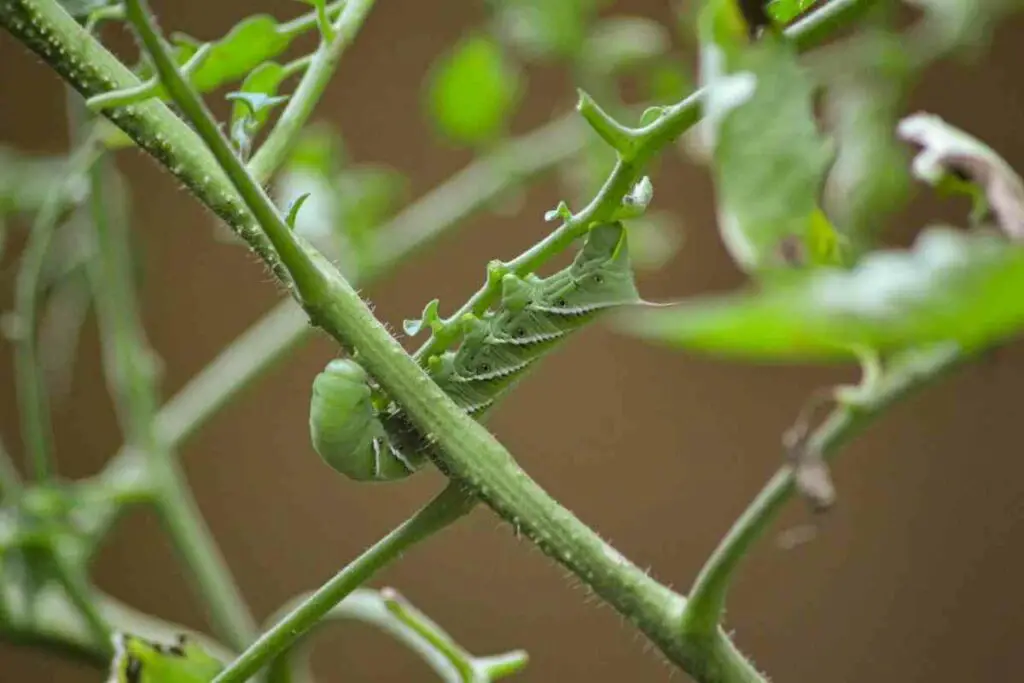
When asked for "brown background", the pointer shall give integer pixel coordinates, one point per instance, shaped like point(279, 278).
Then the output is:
point(915, 577)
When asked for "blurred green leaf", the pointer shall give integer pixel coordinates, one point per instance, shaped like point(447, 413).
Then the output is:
point(952, 286)
point(768, 155)
point(966, 23)
point(27, 180)
point(319, 149)
point(473, 91)
point(619, 44)
point(248, 44)
point(666, 81)
point(654, 239)
point(869, 178)
point(251, 42)
point(785, 11)
point(346, 203)
point(368, 195)
point(543, 29)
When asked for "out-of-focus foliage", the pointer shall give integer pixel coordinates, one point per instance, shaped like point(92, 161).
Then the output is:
point(346, 201)
point(951, 286)
point(474, 90)
point(769, 157)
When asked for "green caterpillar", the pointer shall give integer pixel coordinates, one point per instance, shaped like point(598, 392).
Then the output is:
point(137, 660)
point(534, 314)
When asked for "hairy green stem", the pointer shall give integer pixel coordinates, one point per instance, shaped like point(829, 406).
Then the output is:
point(450, 505)
point(913, 371)
point(131, 375)
point(300, 105)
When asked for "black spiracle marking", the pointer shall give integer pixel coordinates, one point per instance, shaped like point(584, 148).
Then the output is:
point(133, 670)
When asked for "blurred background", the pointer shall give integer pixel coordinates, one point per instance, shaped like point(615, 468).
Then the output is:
point(915, 576)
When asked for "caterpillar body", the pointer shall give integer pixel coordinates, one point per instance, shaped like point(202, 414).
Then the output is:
point(137, 660)
point(533, 316)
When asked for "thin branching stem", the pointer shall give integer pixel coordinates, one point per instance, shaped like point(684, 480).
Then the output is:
point(908, 374)
point(314, 81)
point(450, 505)
point(131, 374)
point(10, 480)
point(37, 430)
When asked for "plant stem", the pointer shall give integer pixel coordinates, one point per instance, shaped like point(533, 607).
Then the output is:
point(72, 578)
point(308, 21)
point(10, 480)
point(37, 431)
point(300, 105)
point(706, 602)
point(450, 505)
point(131, 375)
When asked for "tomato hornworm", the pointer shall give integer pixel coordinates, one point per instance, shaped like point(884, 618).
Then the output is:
point(533, 315)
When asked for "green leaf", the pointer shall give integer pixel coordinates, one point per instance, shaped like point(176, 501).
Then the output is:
point(473, 91)
point(952, 286)
point(562, 212)
point(619, 44)
point(869, 177)
point(248, 44)
point(428, 320)
point(319, 149)
point(666, 81)
point(769, 157)
point(293, 208)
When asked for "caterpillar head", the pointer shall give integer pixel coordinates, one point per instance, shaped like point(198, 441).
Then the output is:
point(344, 426)
point(600, 275)
point(137, 660)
